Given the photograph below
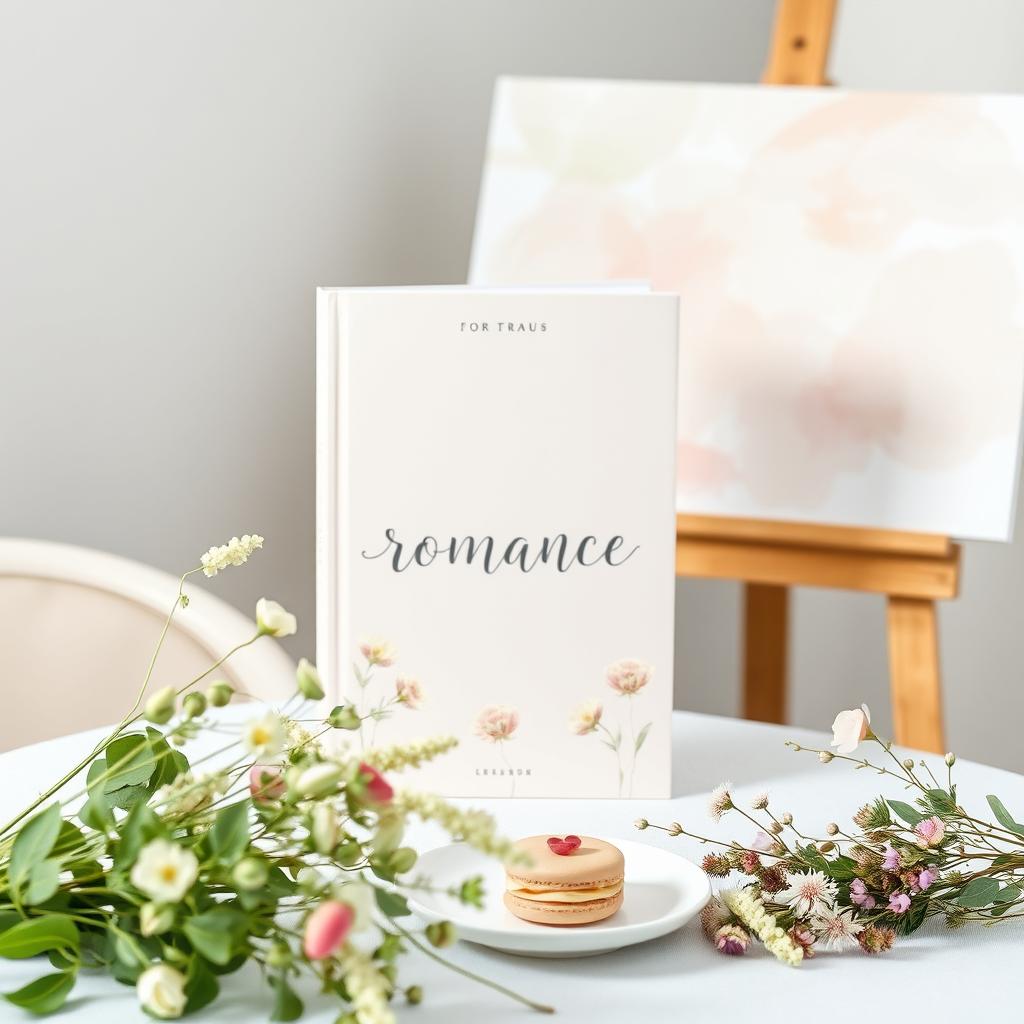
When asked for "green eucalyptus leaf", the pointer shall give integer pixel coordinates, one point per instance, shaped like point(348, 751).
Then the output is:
point(978, 892)
point(43, 880)
point(141, 825)
point(127, 797)
point(909, 814)
point(32, 844)
point(813, 858)
point(215, 933)
point(287, 1005)
point(392, 904)
point(38, 935)
point(940, 802)
point(1003, 815)
point(1007, 897)
point(130, 761)
point(96, 812)
point(843, 868)
point(45, 994)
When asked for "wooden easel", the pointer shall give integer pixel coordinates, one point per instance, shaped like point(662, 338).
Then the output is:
point(912, 570)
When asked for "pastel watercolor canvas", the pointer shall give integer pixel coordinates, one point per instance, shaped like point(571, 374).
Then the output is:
point(849, 266)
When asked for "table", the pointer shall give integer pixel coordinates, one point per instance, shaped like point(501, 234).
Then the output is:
point(678, 977)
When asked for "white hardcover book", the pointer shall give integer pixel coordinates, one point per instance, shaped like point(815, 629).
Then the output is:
point(496, 532)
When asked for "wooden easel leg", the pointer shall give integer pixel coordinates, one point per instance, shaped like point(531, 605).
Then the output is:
point(766, 638)
point(914, 673)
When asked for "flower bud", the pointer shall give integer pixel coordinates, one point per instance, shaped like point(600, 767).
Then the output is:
point(279, 955)
point(414, 995)
point(324, 828)
point(675, 829)
point(908, 763)
point(250, 874)
point(318, 780)
point(775, 828)
point(786, 818)
point(826, 847)
point(440, 934)
point(389, 971)
point(402, 860)
point(193, 705)
point(824, 756)
point(344, 717)
point(641, 823)
point(160, 707)
point(348, 853)
point(155, 918)
point(950, 759)
point(832, 829)
point(308, 680)
point(219, 693)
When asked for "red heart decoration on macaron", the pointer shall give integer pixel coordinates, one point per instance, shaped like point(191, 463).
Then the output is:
point(563, 847)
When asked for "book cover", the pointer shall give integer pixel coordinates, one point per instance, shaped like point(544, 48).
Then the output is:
point(496, 532)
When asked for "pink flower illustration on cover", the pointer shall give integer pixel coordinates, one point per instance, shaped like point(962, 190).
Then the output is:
point(495, 724)
point(408, 692)
point(627, 678)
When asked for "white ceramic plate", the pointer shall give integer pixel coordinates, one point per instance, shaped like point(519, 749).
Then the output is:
point(662, 892)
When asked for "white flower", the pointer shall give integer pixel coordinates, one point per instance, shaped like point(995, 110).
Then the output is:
point(273, 620)
point(235, 552)
point(164, 871)
point(161, 991)
point(760, 801)
point(849, 728)
point(324, 828)
point(366, 986)
point(720, 801)
point(409, 692)
point(835, 931)
point(807, 891)
point(378, 652)
point(359, 896)
point(189, 793)
point(586, 718)
point(264, 736)
point(318, 779)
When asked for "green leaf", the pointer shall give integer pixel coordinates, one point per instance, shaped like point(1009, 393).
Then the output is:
point(1003, 815)
point(978, 892)
point(843, 869)
point(33, 843)
point(128, 796)
point(228, 839)
point(392, 904)
point(940, 802)
point(130, 761)
point(96, 813)
point(215, 933)
point(43, 880)
point(38, 935)
point(641, 736)
point(1006, 896)
point(906, 812)
point(201, 987)
point(136, 830)
point(287, 1005)
point(913, 918)
point(813, 858)
point(45, 994)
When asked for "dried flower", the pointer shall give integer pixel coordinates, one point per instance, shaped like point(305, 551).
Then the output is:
point(930, 832)
point(832, 829)
point(876, 939)
point(890, 859)
point(836, 931)
point(750, 862)
point(675, 829)
point(807, 892)
point(803, 937)
point(731, 940)
point(773, 879)
point(641, 823)
point(720, 801)
point(235, 552)
point(899, 903)
point(717, 865)
point(786, 818)
point(860, 896)
point(825, 756)
point(713, 916)
point(751, 913)
point(760, 801)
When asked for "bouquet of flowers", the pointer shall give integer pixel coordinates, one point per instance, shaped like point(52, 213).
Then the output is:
point(898, 864)
point(277, 848)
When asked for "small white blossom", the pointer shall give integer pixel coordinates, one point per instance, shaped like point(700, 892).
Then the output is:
point(235, 552)
point(164, 871)
point(807, 892)
point(760, 802)
point(161, 991)
point(720, 801)
point(273, 620)
point(264, 736)
point(836, 931)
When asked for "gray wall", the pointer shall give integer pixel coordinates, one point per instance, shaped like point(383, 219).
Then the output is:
point(176, 179)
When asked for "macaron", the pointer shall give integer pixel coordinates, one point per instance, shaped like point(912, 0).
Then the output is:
point(569, 880)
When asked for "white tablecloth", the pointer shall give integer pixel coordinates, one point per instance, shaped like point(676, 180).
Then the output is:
point(935, 975)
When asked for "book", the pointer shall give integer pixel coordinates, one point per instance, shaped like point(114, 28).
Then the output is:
point(496, 532)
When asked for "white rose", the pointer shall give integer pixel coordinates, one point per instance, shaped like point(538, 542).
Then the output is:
point(161, 991)
point(849, 728)
point(164, 871)
point(272, 619)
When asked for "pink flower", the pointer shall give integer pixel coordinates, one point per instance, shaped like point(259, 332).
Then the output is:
point(860, 896)
point(377, 652)
point(849, 728)
point(496, 723)
point(891, 860)
point(926, 877)
point(929, 832)
point(409, 692)
point(628, 676)
point(586, 718)
point(762, 841)
point(377, 788)
point(731, 940)
point(266, 782)
point(326, 929)
point(899, 902)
